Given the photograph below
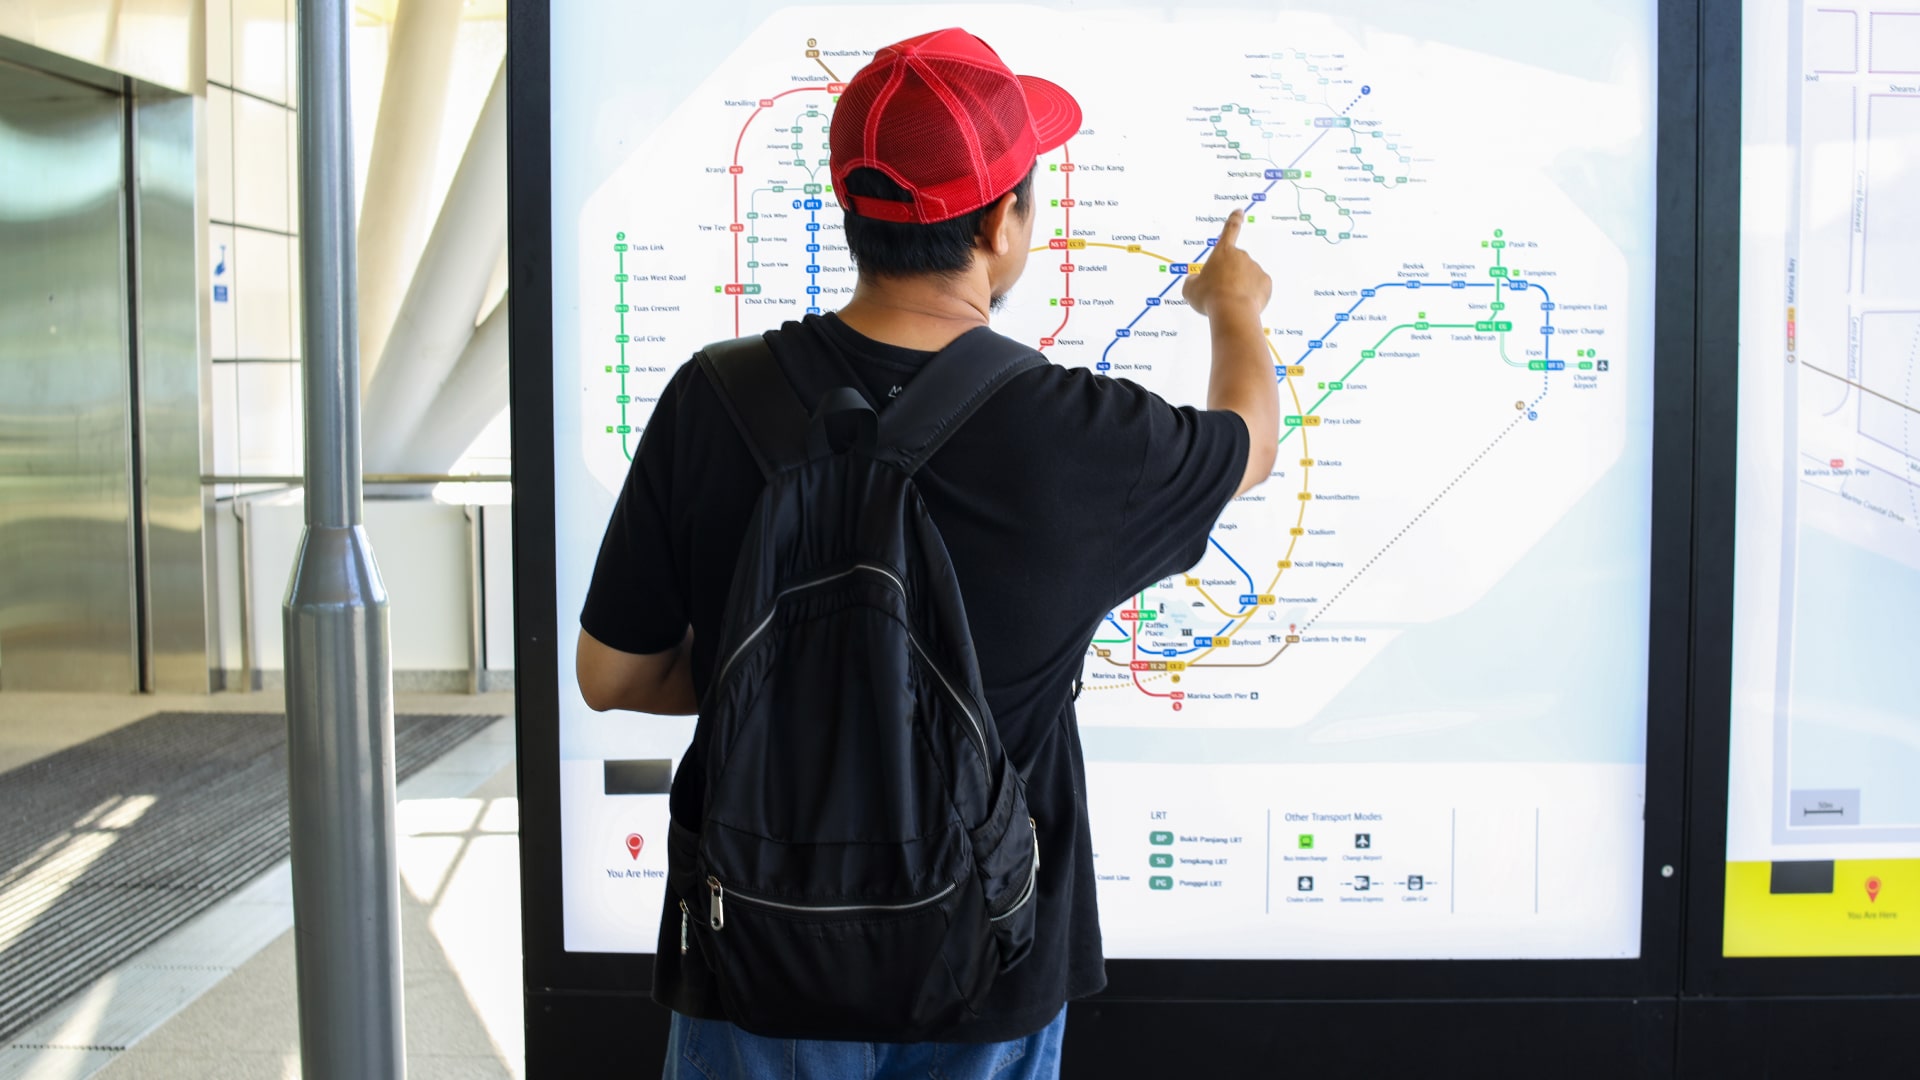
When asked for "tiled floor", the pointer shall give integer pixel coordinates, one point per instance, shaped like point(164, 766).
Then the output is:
point(233, 968)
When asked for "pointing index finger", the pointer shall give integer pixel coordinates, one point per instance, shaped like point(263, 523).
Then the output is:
point(1230, 233)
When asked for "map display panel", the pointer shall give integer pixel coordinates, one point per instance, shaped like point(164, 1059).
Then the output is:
point(1398, 710)
point(1823, 842)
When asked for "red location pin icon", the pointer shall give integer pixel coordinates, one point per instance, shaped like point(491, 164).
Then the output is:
point(635, 842)
point(1873, 890)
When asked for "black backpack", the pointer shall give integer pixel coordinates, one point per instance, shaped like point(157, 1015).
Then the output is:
point(866, 865)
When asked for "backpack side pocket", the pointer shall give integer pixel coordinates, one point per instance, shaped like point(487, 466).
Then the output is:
point(1007, 866)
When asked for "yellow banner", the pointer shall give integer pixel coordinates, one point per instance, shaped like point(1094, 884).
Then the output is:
point(1872, 909)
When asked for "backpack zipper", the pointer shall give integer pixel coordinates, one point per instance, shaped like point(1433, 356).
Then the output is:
point(1033, 876)
point(717, 894)
point(979, 733)
point(761, 628)
point(717, 915)
point(979, 730)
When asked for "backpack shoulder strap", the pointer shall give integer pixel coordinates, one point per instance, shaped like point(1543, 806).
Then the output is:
point(952, 387)
point(759, 399)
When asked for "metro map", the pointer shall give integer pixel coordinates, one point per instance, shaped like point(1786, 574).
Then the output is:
point(1155, 655)
point(1397, 708)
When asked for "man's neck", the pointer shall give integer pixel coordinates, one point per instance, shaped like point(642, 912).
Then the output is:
point(926, 312)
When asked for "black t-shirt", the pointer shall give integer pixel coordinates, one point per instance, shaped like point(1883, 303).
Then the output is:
point(1064, 495)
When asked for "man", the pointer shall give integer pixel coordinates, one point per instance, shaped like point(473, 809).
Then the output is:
point(1065, 494)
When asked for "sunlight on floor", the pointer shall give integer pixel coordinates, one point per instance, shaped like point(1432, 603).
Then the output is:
point(216, 999)
point(29, 890)
point(460, 858)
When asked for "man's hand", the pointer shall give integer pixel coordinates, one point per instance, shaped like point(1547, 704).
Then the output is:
point(1231, 291)
point(658, 683)
point(1229, 277)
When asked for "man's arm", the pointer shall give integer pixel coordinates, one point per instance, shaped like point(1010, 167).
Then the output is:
point(659, 683)
point(1231, 291)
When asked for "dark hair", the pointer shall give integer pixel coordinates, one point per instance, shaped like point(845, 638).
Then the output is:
point(908, 249)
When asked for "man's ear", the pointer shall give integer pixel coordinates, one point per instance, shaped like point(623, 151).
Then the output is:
point(999, 228)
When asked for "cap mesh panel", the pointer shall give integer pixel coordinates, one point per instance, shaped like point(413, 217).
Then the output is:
point(918, 135)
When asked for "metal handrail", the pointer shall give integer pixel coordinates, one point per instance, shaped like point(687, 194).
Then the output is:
point(369, 478)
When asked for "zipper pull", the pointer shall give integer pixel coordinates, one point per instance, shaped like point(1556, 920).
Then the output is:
point(684, 917)
point(716, 912)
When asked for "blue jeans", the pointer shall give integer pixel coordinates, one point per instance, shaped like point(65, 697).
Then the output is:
point(717, 1050)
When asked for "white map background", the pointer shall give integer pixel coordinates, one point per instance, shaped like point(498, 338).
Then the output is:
point(1470, 583)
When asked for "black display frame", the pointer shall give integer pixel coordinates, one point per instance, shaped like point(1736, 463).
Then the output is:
point(584, 985)
point(1708, 971)
point(1656, 970)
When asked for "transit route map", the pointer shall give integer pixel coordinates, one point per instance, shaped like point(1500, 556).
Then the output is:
point(1446, 574)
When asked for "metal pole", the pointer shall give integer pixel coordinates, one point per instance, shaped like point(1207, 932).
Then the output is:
point(339, 671)
point(243, 547)
point(476, 600)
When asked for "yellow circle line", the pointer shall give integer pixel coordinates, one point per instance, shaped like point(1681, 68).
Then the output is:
point(1101, 244)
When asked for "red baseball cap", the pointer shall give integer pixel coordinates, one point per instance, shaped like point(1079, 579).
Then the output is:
point(944, 118)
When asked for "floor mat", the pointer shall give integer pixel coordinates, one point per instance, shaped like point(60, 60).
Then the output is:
point(108, 845)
